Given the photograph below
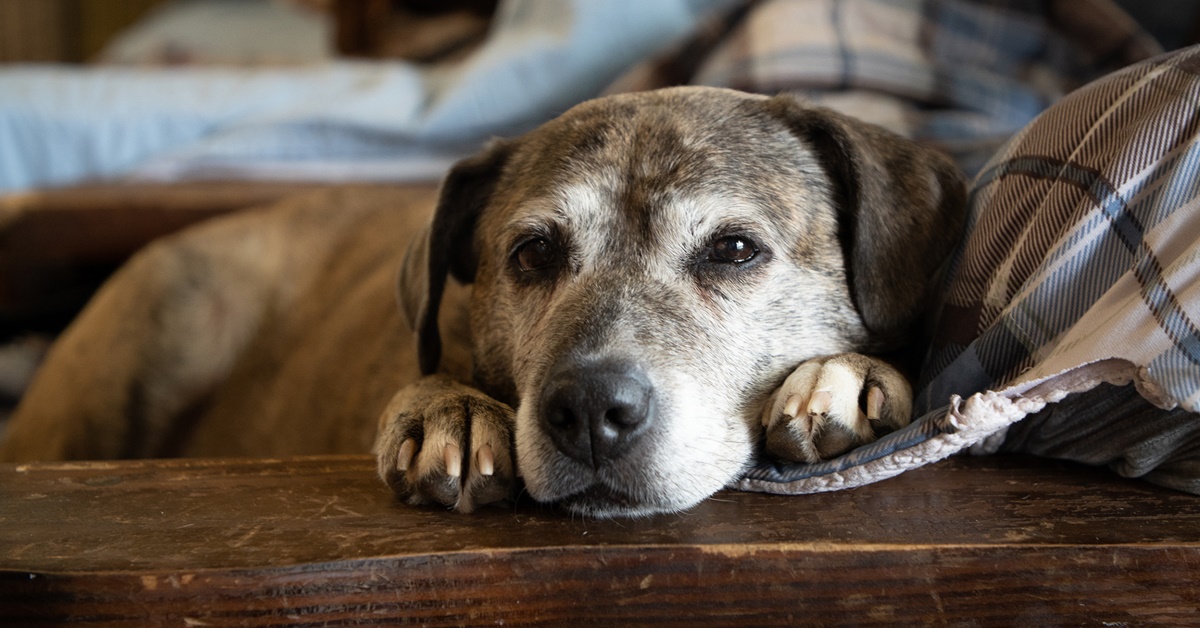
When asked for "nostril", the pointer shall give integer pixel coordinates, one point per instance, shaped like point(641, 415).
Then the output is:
point(593, 413)
point(625, 416)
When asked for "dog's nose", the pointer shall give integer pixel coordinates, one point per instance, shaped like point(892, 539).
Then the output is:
point(594, 412)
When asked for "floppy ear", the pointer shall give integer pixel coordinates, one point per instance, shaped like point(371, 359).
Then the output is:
point(901, 211)
point(446, 247)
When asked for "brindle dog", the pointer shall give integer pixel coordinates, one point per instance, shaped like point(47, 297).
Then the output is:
point(629, 298)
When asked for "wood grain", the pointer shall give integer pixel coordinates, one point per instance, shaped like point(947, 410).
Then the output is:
point(318, 541)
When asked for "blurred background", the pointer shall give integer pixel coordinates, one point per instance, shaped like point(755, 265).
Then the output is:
point(299, 31)
point(396, 90)
point(78, 31)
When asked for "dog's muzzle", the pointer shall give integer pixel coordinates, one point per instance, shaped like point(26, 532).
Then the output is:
point(595, 412)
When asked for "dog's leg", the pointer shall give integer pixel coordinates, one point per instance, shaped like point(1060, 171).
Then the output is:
point(442, 442)
point(831, 405)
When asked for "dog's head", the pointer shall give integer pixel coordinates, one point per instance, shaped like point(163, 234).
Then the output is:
point(647, 268)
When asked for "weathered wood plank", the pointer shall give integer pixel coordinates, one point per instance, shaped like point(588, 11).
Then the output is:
point(317, 541)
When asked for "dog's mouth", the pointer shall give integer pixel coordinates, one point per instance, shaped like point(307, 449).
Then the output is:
point(618, 489)
point(637, 485)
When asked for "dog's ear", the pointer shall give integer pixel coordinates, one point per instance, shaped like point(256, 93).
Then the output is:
point(446, 247)
point(901, 210)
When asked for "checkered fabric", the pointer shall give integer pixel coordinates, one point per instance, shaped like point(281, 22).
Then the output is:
point(961, 75)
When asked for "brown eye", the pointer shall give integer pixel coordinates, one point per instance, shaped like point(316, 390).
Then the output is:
point(536, 254)
point(732, 249)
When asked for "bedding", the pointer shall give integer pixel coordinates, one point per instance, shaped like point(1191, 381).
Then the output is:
point(960, 75)
point(224, 32)
point(335, 121)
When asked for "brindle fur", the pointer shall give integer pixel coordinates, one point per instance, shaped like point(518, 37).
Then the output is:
point(272, 333)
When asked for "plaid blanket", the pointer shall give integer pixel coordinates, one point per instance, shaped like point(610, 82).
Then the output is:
point(961, 75)
point(1076, 285)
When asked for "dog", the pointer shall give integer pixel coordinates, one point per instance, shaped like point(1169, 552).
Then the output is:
point(614, 313)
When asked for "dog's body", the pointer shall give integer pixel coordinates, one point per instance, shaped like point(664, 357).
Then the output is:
point(266, 333)
point(648, 280)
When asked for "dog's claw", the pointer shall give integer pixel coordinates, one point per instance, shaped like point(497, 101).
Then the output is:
point(405, 457)
point(485, 460)
point(452, 455)
point(792, 407)
point(875, 400)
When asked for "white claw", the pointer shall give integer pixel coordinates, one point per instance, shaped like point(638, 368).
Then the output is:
point(874, 403)
point(485, 460)
point(452, 455)
point(792, 407)
point(404, 459)
point(820, 403)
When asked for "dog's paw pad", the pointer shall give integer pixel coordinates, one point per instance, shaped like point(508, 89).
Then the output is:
point(451, 448)
point(829, 406)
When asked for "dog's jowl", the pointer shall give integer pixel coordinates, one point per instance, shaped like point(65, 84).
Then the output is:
point(615, 312)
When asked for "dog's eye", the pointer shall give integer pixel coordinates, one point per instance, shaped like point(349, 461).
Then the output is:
point(536, 254)
point(734, 249)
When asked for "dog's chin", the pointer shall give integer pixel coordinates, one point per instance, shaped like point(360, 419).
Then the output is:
point(620, 490)
point(601, 501)
point(635, 486)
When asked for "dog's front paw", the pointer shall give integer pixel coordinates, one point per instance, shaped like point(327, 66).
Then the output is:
point(442, 442)
point(831, 405)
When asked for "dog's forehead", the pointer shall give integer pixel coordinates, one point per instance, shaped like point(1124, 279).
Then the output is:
point(671, 137)
point(663, 157)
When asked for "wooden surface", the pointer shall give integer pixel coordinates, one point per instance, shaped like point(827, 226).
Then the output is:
point(318, 541)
